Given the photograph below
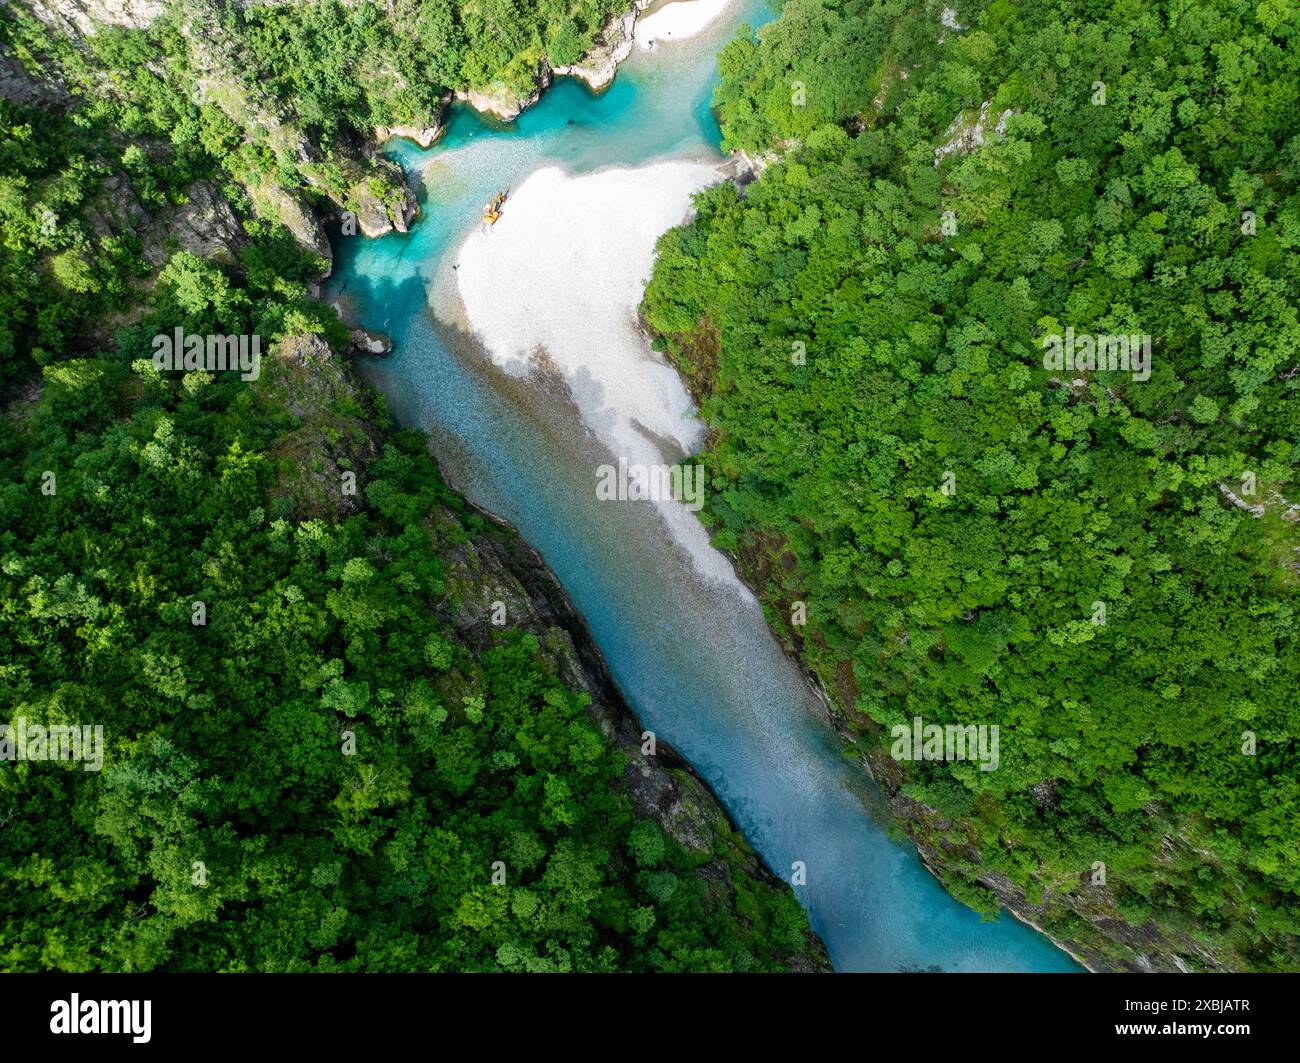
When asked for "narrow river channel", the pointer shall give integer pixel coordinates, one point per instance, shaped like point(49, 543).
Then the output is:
point(691, 652)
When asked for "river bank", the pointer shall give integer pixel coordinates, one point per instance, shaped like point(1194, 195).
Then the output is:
point(693, 656)
point(488, 572)
point(676, 20)
point(664, 786)
point(1111, 944)
point(577, 318)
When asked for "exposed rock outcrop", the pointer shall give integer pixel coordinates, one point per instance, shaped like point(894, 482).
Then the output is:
point(20, 86)
point(614, 44)
point(501, 101)
point(966, 133)
point(500, 567)
point(314, 461)
point(289, 208)
point(82, 17)
point(385, 202)
point(369, 342)
point(204, 224)
point(425, 136)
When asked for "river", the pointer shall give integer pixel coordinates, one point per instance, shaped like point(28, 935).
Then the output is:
point(693, 655)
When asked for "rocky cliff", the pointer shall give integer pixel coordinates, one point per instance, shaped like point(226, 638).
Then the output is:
point(345, 177)
point(664, 787)
point(496, 566)
point(292, 175)
point(614, 44)
point(80, 18)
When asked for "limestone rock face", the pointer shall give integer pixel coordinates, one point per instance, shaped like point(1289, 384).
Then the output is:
point(422, 135)
point(315, 460)
point(967, 133)
point(384, 203)
point(204, 224)
point(19, 86)
point(372, 213)
point(276, 204)
point(612, 46)
point(82, 17)
point(368, 341)
point(503, 102)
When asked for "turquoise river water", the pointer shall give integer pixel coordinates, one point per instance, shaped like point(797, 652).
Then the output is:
point(693, 657)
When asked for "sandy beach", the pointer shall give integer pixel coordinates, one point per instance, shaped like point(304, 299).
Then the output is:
point(677, 21)
point(556, 283)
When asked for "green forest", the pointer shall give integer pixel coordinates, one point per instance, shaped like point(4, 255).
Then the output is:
point(320, 752)
point(1105, 565)
point(276, 103)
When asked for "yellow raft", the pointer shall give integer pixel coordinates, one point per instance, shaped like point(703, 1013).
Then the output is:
point(493, 210)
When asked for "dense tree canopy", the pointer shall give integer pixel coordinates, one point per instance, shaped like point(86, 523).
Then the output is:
point(314, 756)
point(322, 773)
point(274, 101)
point(1103, 565)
